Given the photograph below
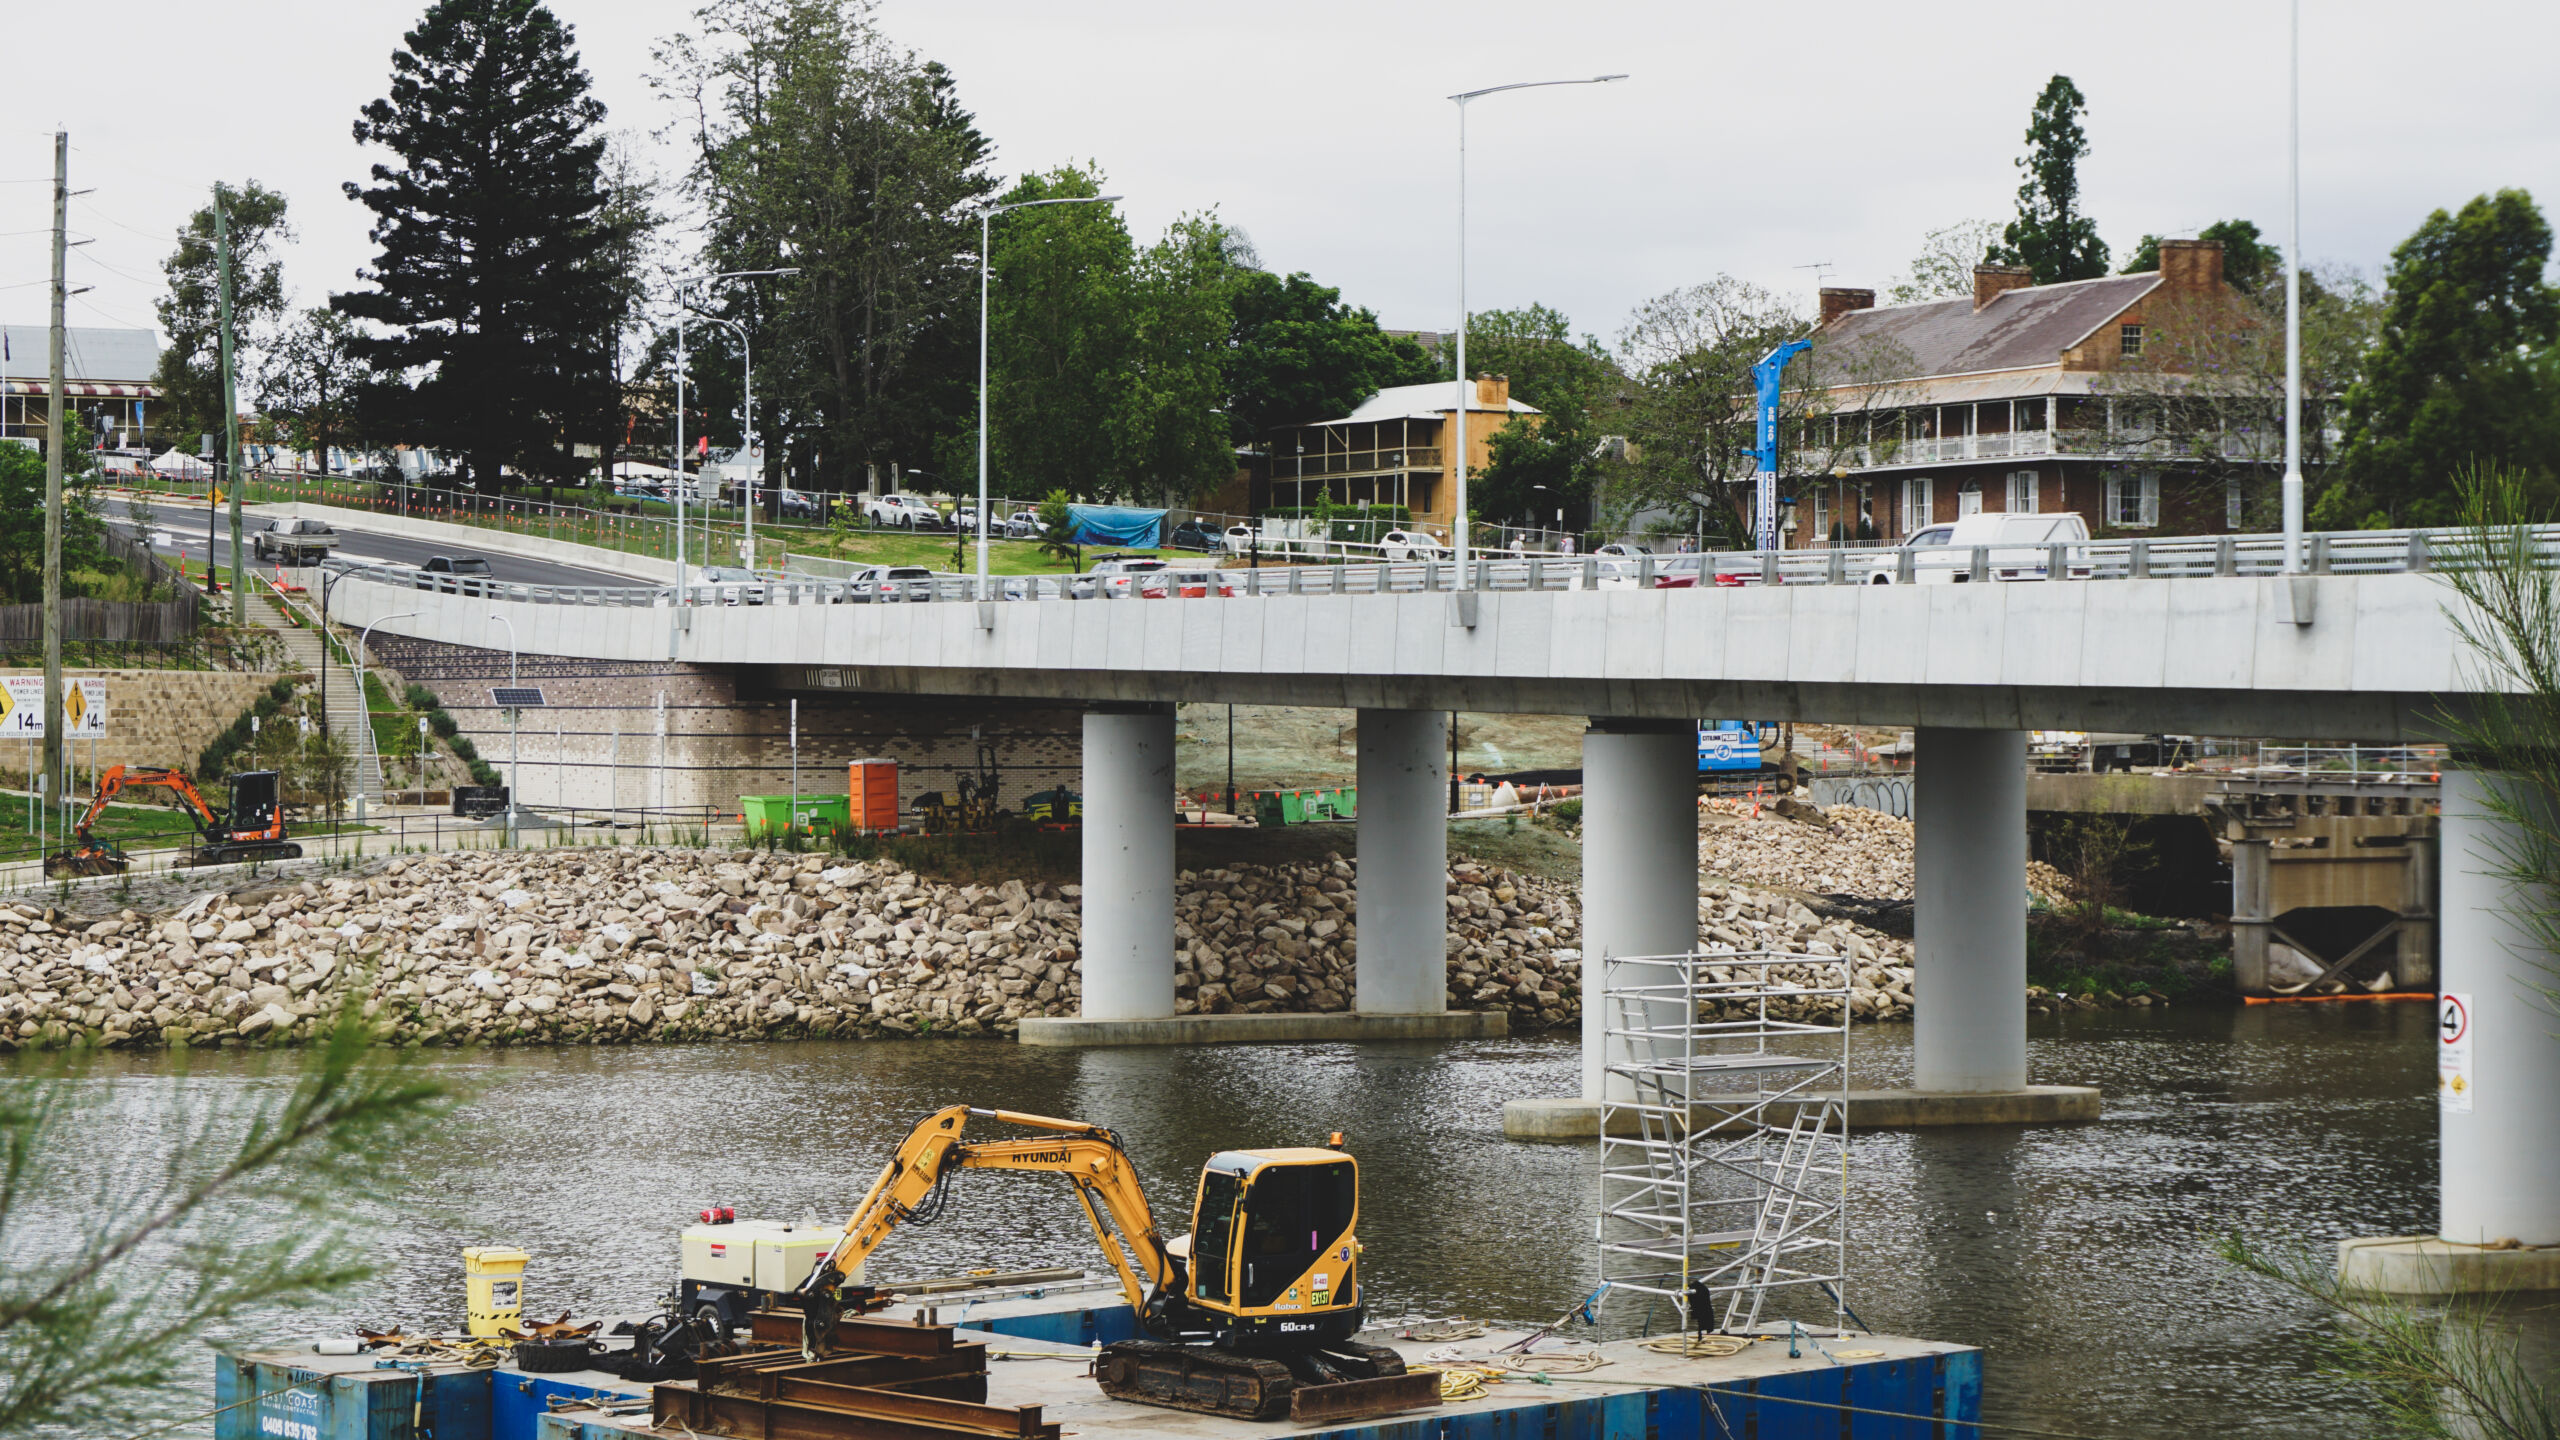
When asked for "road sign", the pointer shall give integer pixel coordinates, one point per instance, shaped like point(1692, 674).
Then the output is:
point(84, 708)
point(516, 697)
point(2453, 1053)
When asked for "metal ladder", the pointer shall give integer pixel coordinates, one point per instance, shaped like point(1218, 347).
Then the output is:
point(1763, 1263)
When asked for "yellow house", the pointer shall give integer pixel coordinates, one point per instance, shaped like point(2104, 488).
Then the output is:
point(1393, 449)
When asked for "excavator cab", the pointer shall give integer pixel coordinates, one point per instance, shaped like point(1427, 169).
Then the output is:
point(254, 806)
point(1274, 1256)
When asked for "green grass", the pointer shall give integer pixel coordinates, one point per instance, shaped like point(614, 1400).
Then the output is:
point(135, 827)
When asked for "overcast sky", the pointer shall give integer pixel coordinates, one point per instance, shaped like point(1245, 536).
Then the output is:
point(1752, 139)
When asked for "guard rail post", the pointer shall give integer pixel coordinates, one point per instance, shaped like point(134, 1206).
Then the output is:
point(2057, 562)
point(2418, 558)
point(2137, 560)
point(1769, 568)
point(1980, 570)
point(1906, 565)
point(1835, 569)
point(2226, 556)
point(2319, 554)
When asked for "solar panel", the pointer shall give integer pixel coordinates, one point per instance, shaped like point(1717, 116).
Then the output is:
point(516, 697)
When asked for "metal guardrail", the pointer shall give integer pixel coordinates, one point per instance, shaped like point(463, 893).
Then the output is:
point(2354, 552)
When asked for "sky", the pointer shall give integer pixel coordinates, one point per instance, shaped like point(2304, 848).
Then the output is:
point(1789, 144)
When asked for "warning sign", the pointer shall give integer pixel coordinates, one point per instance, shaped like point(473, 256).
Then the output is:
point(2453, 1053)
point(84, 708)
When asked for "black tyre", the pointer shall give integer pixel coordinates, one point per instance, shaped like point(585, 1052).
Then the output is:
point(552, 1357)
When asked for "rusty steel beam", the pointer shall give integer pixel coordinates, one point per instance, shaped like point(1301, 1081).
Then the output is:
point(1360, 1399)
point(853, 1336)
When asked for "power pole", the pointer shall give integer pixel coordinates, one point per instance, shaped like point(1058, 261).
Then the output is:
point(53, 450)
point(230, 416)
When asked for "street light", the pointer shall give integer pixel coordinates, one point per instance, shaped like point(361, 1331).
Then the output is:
point(1459, 461)
point(681, 285)
point(515, 749)
point(747, 346)
point(2293, 310)
point(986, 272)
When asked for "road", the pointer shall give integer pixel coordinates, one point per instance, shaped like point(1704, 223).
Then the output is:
point(184, 529)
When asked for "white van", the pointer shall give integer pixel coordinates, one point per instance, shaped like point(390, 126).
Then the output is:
point(2020, 547)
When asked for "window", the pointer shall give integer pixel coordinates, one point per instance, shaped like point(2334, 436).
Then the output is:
point(1917, 511)
point(2133, 499)
point(2022, 492)
point(1969, 499)
point(2231, 504)
point(1216, 1233)
point(2132, 340)
point(1293, 1214)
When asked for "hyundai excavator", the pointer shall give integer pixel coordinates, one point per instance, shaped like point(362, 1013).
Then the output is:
point(1256, 1306)
point(254, 831)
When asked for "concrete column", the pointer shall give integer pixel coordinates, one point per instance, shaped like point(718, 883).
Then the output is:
point(1128, 864)
point(1402, 964)
point(1969, 916)
point(1639, 859)
point(2499, 1158)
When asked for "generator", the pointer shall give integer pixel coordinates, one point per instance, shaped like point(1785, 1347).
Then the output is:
point(731, 1267)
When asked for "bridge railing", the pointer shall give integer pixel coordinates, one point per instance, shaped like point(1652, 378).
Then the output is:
point(2355, 552)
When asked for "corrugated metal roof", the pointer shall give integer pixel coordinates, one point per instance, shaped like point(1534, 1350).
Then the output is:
point(2019, 329)
point(116, 357)
point(1419, 402)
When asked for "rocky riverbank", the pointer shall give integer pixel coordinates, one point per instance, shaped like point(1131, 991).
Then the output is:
point(600, 946)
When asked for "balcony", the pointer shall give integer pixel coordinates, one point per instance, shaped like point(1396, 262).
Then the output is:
point(1356, 462)
point(2242, 447)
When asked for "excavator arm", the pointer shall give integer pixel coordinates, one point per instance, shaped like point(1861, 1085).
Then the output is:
point(118, 778)
point(911, 1189)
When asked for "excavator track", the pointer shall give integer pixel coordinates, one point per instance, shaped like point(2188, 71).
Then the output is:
point(1195, 1377)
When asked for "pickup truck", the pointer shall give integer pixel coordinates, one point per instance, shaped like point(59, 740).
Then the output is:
point(295, 540)
point(455, 575)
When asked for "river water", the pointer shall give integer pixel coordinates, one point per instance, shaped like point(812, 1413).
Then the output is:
point(2080, 1258)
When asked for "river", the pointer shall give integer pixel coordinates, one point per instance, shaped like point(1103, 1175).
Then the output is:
point(2080, 1258)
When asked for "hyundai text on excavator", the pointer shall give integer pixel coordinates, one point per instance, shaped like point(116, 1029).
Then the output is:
point(255, 829)
point(1251, 1315)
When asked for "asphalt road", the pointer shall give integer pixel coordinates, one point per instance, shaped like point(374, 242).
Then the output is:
point(184, 529)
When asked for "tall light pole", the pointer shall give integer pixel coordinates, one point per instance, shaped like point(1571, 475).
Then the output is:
point(986, 273)
point(1458, 461)
point(515, 752)
point(2293, 307)
point(747, 346)
point(681, 286)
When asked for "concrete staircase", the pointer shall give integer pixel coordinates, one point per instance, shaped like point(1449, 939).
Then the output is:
point(303, 649)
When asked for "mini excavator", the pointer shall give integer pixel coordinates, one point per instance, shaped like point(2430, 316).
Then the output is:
point(1255, 1308)
point(254, 831)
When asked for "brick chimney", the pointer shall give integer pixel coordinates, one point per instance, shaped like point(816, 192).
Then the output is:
point(1493, 392)
point(1990, 280)
point(2191, 264)
point(1837, 301)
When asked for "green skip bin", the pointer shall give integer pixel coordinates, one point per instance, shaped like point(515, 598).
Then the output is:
point(771, 816)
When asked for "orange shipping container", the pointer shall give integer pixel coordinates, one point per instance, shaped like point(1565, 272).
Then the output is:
point(873, 785)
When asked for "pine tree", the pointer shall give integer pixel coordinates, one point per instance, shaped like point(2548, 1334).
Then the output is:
point(492, 278)
point(2050, 236)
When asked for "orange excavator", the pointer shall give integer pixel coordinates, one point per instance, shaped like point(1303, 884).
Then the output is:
point(255, 829)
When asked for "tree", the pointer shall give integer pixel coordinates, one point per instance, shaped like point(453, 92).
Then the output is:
point(1532, 469)
point(1176, 439)
point(1943, 270)
point(190, 374)
point(89, 1330)
point(2248, 262)
point(491, 283)
point(22, 512)
point(2463, 371)
point(310, 382)
point(1689, 354)
point(2050, 236)
point(822, 146)
point(1297, 353)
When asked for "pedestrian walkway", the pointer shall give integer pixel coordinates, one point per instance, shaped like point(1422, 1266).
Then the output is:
point(304, 649)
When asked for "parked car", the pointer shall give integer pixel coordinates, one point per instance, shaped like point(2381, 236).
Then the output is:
point(1404, 545)
point(1111, 576)
point(1624, 551)
point(728, 585)
point(1239, 538)
point(455, 575)
point(797, 506)
point(294, 540)
point(1188, 584)
point(1678, 572)
point(905, 511)
point(2019, 548)
point(1024, 525)
point(1192, 535)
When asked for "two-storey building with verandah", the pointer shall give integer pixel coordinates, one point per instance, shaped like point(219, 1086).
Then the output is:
point(2108, 397)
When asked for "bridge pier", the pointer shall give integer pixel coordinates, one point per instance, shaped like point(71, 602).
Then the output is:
point(1127, 945)
point(1639, 890)
point(1402, 967)
point(2498, 1132)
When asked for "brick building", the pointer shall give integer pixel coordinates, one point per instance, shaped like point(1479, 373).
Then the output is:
point(2035, 398)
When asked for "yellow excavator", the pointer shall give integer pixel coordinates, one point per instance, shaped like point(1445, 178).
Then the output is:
point(1251, 1315)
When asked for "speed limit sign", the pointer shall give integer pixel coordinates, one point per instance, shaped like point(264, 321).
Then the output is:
point(2453, 1053)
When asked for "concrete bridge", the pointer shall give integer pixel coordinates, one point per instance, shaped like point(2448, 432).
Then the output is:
point(2372, 657)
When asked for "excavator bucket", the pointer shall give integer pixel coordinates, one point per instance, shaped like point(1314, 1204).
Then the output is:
point(82, 861)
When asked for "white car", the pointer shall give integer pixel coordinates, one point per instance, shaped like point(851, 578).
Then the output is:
point(1112, 576)
point(728, 585)
point(1239, 539)
point(2017, 547)
point(1624, 551)
point(905, 511)
point(1403, 545)
point(1024, 525)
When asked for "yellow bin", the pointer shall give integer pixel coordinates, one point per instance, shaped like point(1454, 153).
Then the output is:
point(493, 1287)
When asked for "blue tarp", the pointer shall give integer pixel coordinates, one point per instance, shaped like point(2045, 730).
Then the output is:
point(1119, 525)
